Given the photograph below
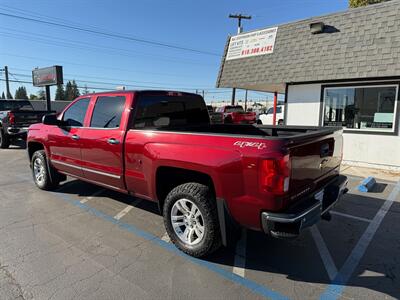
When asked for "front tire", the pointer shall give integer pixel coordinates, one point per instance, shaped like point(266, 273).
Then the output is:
point(4, 140)
point(191, 221)
point(41, 172)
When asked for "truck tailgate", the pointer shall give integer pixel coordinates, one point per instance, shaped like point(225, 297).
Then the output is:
point(27, 118)
point(313, 162)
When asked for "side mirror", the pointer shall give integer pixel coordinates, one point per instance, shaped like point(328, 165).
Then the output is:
point(51, 120)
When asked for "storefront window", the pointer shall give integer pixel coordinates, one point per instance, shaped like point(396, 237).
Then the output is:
point(361, 108)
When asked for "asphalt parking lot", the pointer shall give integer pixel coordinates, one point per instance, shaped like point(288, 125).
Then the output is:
point(85, 242)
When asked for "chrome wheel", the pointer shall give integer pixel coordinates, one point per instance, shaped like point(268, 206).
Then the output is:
point(187, 222)
point(39, 170)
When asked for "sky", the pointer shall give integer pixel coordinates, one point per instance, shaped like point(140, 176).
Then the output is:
point(101, 61)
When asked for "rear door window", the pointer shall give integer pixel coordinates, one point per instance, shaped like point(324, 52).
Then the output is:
point(158, 111)
point(74, 116)
point(107, 112)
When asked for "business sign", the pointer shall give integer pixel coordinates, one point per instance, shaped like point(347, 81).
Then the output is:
point(252, 44)
point(47, 76)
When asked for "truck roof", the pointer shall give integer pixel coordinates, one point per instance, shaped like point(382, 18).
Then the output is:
point(140, 91)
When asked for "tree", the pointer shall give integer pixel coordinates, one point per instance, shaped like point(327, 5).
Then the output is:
point(41, 95)
point(75, 89)
point(68, 91)
point(71, 91)
point(60, 93)
point(3, 96)
point(33, 97)
point(21, 94)
point(358, 3)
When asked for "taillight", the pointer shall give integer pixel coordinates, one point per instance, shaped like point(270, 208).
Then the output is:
point(11, 118)
point(275, 175)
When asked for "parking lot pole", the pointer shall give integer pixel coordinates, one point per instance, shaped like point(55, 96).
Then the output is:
point(233, 96)
point(275, 104)
point(48, 103)
point(245, 101)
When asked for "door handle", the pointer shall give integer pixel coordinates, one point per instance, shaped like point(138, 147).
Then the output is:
point(75, 137)
point(113, 141)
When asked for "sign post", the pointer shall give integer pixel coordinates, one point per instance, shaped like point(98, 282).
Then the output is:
point(46, 77)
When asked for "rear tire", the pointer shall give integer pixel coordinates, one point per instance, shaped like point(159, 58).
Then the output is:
point(4, 140)
point(191, 221)
point(42, 177)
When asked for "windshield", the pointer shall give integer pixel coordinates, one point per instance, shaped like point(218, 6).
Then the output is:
point(236, 108)
point(15, 105)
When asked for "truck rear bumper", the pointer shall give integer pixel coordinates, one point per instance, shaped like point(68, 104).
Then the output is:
point(17, 130)
point(290, 223)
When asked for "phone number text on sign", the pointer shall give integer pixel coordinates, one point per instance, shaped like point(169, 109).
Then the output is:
point(252, 44)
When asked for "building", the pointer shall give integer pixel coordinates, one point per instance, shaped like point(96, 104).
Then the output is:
point(339, 69)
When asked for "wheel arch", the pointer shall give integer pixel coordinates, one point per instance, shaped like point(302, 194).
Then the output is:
point(168, 177)
point(33, 147)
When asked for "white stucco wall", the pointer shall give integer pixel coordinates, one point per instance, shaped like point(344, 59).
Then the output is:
point(303, 104)
point(369, 150)
point(372, 150)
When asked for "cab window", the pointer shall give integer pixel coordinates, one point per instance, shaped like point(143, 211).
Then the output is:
point(107, 112)
point(74, 116)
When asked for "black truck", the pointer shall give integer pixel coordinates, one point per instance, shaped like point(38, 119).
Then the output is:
point(15, 118)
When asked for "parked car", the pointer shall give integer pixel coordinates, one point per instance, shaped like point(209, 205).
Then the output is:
point(208, 179)
point(267, 118)
point(215, 117)
point(235, 114)
point(15, 118)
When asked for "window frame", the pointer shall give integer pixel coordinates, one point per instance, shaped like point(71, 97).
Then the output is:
point(94, 106)
point(377, 131)
point(72, 104)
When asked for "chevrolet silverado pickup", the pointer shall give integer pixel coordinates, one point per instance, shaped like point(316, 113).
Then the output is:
point(15, 118)
point(208, 180)
point(235, 114)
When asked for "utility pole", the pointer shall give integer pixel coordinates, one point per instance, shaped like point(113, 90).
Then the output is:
point(239, 17)
point(8, 94)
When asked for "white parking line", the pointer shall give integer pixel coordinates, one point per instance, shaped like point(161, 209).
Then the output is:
point(86, 199)
point(324, 253)
point(358, 252)
point(123, 212)
point(240, 255)
point(350, 216)
point(166, 238)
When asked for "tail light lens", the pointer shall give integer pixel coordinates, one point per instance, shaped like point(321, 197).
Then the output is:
point(11, 118)
point(275, 175)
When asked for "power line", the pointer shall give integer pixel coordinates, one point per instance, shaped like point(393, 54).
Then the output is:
point(74, 44)
point(81, 87)
point(122, 82)
point(36, 14)
point(108, 88)
point(93, 66)
point(123, 37)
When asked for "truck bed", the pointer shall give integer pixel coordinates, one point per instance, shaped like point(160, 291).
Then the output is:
point(261, 131)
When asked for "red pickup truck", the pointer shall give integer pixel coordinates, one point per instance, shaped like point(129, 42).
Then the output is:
point(235, 114)
point(208, 179)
